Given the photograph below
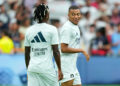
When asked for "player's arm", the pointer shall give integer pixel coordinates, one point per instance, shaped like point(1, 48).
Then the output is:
point(66, 49)
point(56, 54)
point(27, 56)
point(65, 41)
point(27, 49)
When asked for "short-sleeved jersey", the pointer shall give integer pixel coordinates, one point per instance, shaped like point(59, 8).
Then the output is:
point(40, 37)
point(69, 34)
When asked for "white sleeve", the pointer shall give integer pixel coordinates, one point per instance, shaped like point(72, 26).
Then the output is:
point(27, 41)
point(55, 38)
point(65, 36)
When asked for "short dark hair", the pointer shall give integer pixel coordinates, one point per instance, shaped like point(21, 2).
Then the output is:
point(12, 5)
point(92, 25)
point(73, 7)
point(6, 33)
point(102, 30)
point(40, 12)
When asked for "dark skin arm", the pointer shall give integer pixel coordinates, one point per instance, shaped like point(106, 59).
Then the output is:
point(56, 55)
point(27, 56)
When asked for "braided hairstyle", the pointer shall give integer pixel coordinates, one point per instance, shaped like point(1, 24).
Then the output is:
point(40, 13)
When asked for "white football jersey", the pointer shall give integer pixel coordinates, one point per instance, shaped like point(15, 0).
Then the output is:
point(69, 34)
point(40, 37)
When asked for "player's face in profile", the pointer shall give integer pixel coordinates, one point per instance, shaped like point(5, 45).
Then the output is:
point(74, 16)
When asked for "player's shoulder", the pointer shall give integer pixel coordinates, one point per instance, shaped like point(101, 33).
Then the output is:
point(66, 24)
point(65, 27)
point(51, 28)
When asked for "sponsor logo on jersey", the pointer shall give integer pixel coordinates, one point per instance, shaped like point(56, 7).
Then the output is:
point(38, 38)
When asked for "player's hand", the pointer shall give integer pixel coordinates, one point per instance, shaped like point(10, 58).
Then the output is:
point(87, 56)
point(60, 75)
point(27, 77)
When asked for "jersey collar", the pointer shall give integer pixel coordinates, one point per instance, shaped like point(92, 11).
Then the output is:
point(71, 23)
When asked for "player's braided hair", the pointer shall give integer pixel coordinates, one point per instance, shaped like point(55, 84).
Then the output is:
point(40, 12)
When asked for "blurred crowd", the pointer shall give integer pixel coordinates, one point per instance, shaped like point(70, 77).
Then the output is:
point(99, 26)
point(15, 18)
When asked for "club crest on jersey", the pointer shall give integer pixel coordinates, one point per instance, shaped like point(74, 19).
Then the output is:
point(71, 75)
point(39, 38)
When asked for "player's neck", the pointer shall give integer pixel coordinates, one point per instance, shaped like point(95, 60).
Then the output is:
point(44, 21)
point(72, 22)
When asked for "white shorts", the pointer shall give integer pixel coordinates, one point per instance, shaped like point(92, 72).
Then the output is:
point(76, 77)
point(37, 79)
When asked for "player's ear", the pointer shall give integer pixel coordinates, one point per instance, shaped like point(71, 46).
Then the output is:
point(69, 14)
point(81, 15)
point(47, 16)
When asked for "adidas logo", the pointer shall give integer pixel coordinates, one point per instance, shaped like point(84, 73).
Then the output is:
point(39, 38)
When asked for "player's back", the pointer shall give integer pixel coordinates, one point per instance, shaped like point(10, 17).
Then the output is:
point(40, 38)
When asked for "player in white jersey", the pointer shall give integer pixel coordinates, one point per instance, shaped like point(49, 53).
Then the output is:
point(41, 43)
point(70, 47)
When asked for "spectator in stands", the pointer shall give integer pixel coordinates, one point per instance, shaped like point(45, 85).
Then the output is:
point(22, 13)
point(116, 42)
point(3, 16)
point(109, 27)
point(25, 24)
point(19, 16)
point(13, 10)
point(103, 10)
point(23, 28)
point(89, 36)
point(6, 43)
point(96, 3)
point(93, 11)
point(85, 22)
point(100, 45)
point(16, 36)
point(115, 18)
